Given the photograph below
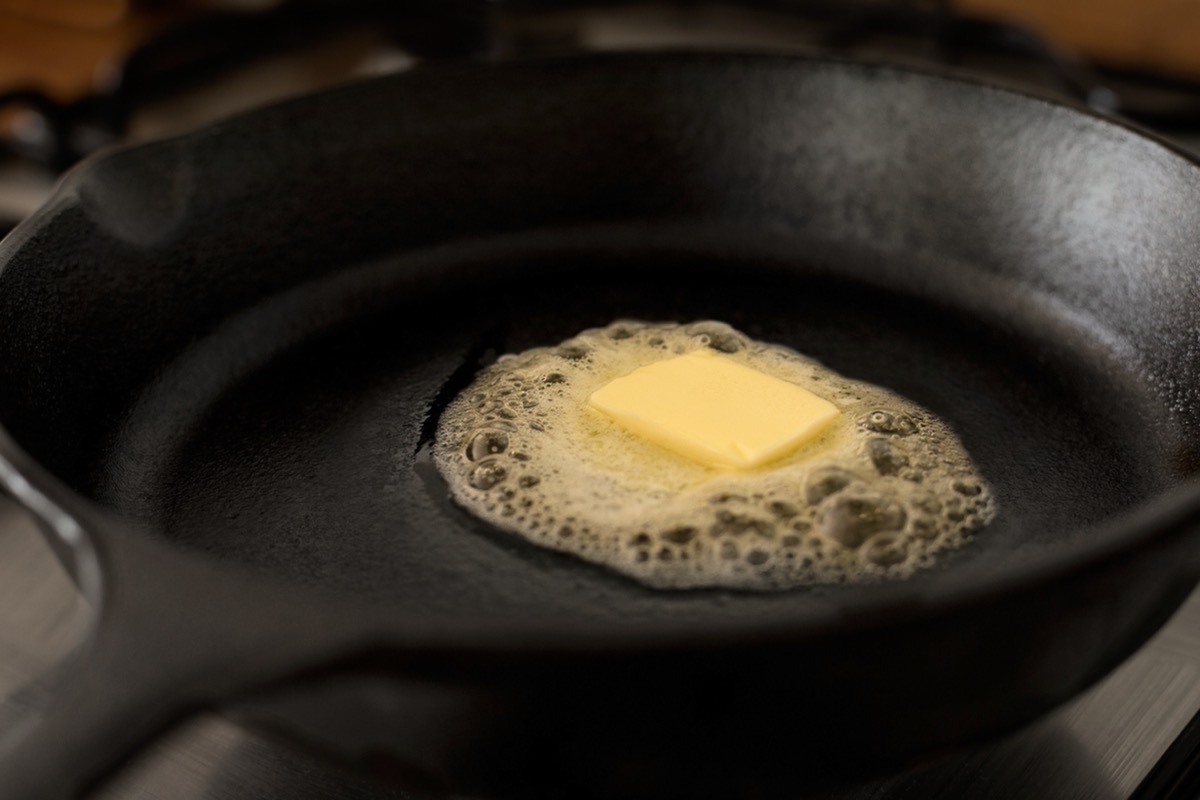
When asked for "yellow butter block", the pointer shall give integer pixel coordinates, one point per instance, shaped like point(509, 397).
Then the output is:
point(714, 410)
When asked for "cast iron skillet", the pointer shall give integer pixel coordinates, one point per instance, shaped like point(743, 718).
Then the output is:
point(223, 355)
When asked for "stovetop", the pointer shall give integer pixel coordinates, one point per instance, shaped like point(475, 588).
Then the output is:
point(1128, 738)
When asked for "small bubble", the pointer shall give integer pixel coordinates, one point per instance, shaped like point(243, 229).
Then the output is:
point(665, 554)
point(885, 551)
point(852, 519)
point(728, 551)
point(528, 481)
point(520, 456)
point(782, 509)
point(486, 443)
point(924, 528)
point(487, 475)
point(967, 488)
point(556, 377)
point(641, 556)
point(825, 482)
point(790, 540)
point(537, 426)
point(679, 535)
point(572, 351)
point(619, 332)
point(640, 540)
point(566, 531)
point(717, 335)
point(887, 458)
point(880, 421)
point(928, 503)
point(731, 524)
point(757, 557)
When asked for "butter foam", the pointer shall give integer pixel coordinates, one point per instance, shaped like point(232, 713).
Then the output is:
point(878, 495)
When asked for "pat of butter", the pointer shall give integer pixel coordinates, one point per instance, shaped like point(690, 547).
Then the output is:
point(714, 410)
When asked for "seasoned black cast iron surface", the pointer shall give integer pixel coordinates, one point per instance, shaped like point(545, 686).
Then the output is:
point(311, 467)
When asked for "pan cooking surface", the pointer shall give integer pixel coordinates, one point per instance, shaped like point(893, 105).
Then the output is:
point(312, 466)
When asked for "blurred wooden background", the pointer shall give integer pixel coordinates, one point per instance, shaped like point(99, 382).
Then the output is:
point(1158, 36)
point(68, 48)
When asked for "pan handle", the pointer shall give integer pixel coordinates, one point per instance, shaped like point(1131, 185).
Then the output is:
point(173, 634)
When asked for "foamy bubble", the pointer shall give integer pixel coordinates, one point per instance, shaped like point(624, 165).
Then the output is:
point(885, 489)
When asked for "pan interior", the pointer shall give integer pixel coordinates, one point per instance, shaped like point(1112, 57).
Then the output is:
point(305, 459)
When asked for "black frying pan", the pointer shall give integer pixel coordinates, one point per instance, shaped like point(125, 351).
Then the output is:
point(223, 355)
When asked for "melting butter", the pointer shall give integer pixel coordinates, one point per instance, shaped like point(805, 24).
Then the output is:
point(714, 410)
point(874, 488)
